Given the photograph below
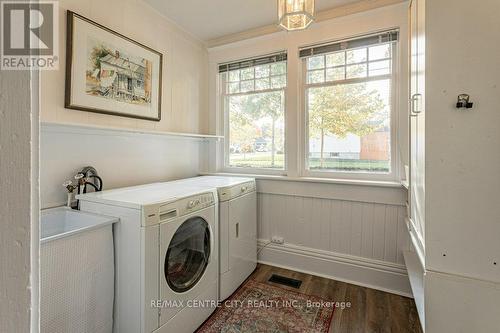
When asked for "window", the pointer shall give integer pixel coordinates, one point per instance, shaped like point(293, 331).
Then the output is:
point(253, 98)
point(348, 105)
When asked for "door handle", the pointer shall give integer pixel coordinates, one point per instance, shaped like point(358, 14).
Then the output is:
point(237, 230)
point(415, 106)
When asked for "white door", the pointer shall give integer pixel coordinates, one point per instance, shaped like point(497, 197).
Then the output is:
point(417, 118)
point(243, 230)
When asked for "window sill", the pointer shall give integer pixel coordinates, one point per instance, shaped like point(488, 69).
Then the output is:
point(393, 184)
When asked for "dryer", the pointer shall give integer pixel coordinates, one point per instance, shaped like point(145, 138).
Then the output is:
point(237, 228)
point(166, 255)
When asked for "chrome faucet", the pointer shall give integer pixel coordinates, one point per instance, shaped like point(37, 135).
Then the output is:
point(87, 176)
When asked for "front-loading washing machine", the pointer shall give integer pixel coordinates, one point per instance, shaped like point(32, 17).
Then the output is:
point(237, 227)
point(166, 255)
point(188, 263)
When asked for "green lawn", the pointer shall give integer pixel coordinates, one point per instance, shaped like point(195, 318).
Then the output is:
point(263, 160)
point(256, 160)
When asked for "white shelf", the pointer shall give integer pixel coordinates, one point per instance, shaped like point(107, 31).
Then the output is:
point(309, 179)
point(72, 127)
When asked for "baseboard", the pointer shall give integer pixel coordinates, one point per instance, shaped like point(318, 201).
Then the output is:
point(375, 274)
point(416, 275)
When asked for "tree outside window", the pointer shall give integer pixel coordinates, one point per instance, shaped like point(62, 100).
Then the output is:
point(254, 102)
point(348, 106)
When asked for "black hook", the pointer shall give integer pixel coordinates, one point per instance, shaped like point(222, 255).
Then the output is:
point(463, 101)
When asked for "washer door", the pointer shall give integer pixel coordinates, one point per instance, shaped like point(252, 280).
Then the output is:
point(188, 255)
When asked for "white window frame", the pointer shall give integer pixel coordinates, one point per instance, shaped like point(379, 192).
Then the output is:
point(394, 174)
point(224, 151)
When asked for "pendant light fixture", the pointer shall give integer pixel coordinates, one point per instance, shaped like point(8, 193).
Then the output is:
point(295, 14)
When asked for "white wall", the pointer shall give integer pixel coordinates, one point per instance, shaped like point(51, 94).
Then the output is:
point(460, 305)
point(351, 232)
point(127, 159)
point(462, 167)
point(19, 204)
point(463, 146)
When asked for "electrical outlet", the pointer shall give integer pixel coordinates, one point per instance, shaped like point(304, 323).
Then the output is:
point(278, 240)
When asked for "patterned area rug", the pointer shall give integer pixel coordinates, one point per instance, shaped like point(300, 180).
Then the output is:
point(261, 308)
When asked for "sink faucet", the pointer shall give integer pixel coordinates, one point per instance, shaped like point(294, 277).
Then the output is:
point(71, 188)
point(87, 177)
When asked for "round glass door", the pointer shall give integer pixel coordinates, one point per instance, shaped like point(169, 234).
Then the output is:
point(188, 254)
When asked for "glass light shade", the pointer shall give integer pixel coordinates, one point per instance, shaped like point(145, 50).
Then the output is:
point(295, 14)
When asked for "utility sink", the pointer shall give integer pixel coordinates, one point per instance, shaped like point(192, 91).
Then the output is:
point(76, 271)
point(64, 222)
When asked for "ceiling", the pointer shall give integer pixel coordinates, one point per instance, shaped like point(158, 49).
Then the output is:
point(209, 19)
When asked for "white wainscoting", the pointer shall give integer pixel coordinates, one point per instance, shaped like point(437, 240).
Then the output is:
point(361, 242)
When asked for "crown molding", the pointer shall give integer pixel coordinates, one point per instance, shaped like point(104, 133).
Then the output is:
point(324, 15)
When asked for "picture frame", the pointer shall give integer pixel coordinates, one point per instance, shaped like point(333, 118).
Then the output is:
point(109, 73)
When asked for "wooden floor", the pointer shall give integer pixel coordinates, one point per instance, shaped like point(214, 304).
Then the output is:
point(371, 310)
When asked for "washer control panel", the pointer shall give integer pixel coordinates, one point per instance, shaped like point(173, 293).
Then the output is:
point(195, 203)
point(164, 212)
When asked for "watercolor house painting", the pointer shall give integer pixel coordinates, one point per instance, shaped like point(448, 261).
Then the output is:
point(116, 75)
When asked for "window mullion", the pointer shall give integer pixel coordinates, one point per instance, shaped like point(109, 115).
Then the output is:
point(345, 65)
point(254, 78)
point(366, 62)
point(239, 81)
point(349, 81)
point(256, 92)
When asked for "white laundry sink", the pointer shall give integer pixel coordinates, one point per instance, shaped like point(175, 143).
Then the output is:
point(63, 222)
point(76, 272)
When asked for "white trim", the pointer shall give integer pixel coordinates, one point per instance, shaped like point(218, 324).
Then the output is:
point(248, 172)
point(416, 275)
point(326, 189)
point(251, 92)
point(359, 182)
point(375, 274)
point(35, 200)
point(110, 130)
point(416, 240)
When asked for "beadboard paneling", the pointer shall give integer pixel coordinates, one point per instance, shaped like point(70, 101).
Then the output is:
point(122, 159)
point(363, 229)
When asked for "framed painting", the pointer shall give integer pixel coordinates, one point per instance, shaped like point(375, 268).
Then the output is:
point(109, 73)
